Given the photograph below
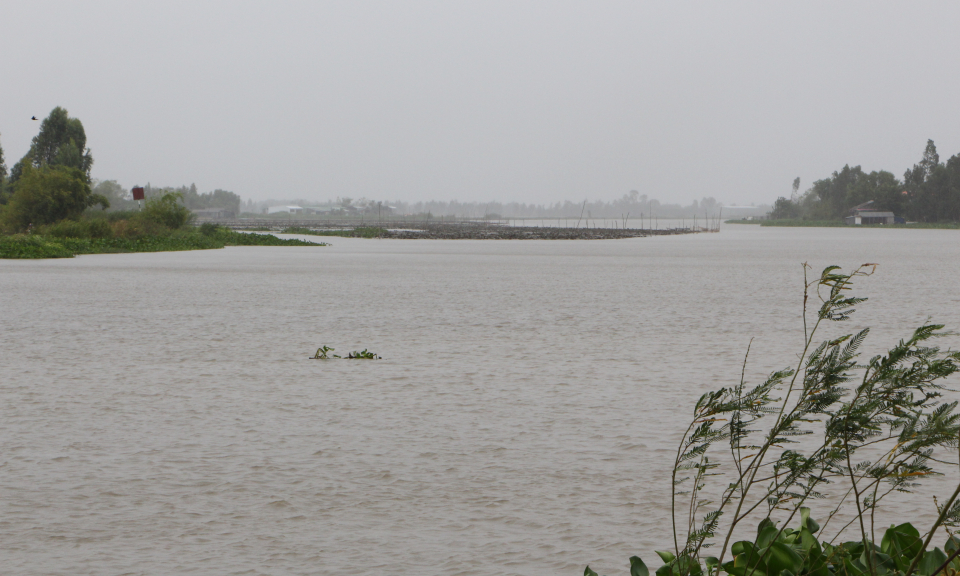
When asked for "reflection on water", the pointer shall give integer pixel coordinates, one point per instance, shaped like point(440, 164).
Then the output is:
point(159, 413)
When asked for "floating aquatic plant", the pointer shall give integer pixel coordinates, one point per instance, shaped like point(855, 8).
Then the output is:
point(322, 354)
point(363, 355)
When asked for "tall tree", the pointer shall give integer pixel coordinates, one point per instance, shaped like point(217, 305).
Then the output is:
point(61, 141)
point(796, 189)
point(928, 187)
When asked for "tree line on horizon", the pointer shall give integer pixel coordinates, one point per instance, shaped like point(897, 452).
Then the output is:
point(52, 181)
point(122, 199)
point(929, 192)
point(633, 204)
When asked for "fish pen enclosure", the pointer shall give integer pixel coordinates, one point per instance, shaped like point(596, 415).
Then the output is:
point(450, 228)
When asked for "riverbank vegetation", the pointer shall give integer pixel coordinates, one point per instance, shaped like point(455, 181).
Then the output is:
point(928, 193)
point(49, 210)
point(830, 425)
point(842, 224)
point(68, 238)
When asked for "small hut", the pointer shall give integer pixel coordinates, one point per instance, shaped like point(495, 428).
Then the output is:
point(867, 213)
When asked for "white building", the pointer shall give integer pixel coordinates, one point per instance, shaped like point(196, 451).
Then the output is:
point(285, 209)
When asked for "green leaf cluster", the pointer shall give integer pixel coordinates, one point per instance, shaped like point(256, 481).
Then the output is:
point(47, 194)
point(323, 353)
point(799, 552)
point(167, 210)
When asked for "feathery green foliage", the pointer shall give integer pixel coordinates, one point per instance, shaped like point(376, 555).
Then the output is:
point(868, 429)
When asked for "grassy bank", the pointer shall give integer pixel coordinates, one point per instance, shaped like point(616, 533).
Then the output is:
point(47, 246)
point(841, 224)
point(358, 232)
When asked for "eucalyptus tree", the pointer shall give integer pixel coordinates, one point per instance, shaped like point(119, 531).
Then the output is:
point(61, 141)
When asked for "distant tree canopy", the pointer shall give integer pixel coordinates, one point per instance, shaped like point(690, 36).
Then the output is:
point(119, 198)
point(61, 141)
point(167, 209)
point(194, 200)
point(3, 177)
point(929, 192)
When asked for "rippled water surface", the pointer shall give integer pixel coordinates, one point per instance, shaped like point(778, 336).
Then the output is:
point(158, 414)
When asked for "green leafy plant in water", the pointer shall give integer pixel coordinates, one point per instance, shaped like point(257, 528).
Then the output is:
point(880, 424)
point(322, 353)
point(363, 355)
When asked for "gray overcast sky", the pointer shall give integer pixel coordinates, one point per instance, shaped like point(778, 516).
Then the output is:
point(492, 100)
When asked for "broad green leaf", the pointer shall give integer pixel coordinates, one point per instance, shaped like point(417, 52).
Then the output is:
point(764, 524)
point(852, 569)
point(637, 567)
point(667, 557)
point(766, 535)
point(882, 563)
point(809, 543)
point(952, 544)
point(750, 560)
point(782, 557)
point(807, 522)
point(665, 570)
point(732, 569)
point(690, 566)
point(932, 560)
point(588, 572)
point(902, 543)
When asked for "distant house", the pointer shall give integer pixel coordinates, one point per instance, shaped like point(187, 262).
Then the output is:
point(866, 214)
point(321, 209)
point(285, 209)
point(214, 213)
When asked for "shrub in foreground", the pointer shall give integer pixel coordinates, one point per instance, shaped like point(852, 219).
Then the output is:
point(167, 210)
point(864, 430)
point(48, 194)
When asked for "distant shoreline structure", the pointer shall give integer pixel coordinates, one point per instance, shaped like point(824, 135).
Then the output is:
point(461, 230)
